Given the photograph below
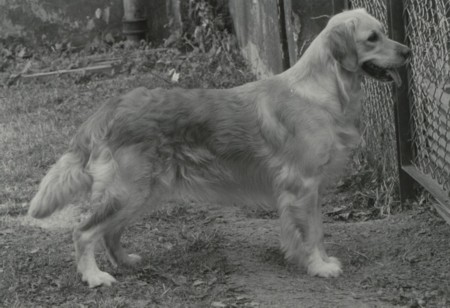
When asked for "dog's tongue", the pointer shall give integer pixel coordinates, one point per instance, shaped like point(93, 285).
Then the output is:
point(395, 76)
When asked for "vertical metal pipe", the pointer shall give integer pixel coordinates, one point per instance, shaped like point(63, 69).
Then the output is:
point(134, 20)
point(283, 34)
point(402, 111)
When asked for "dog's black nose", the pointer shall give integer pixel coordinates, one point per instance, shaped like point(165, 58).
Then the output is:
point(406, 52)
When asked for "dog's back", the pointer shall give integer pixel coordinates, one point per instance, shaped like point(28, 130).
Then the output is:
point(206, 141)
point(182, 137)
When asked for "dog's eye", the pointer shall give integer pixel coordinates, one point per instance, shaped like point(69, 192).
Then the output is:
point(373, 37)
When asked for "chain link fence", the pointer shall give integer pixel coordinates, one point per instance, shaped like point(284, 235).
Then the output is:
point(378, 112)
point(427, 32)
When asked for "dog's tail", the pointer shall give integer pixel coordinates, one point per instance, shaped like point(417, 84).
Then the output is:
point(65, 180)
point(68, 179)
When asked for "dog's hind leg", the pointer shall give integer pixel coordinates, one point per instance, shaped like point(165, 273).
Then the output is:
point(117, 255)
point(107, 224)
point(85, 242)
point(121, 188)
point(302, 230)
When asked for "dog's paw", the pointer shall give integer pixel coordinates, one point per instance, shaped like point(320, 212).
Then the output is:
point(335, 261)
point(98, 278)
point(132, 260)
point(320, 268)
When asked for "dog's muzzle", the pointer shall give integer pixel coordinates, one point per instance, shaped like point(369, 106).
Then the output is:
point(385, 74)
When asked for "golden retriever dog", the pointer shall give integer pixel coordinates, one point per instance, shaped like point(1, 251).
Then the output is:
point(282, 140)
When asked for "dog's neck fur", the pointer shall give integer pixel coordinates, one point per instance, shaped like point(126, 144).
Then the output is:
point(314, 65)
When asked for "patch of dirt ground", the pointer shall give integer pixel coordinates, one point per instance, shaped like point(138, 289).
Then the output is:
point(398, 261)
point(228, 257)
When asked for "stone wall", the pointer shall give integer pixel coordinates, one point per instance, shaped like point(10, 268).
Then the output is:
point(46, 22)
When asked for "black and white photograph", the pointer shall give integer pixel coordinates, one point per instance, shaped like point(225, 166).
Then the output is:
point(225, 153)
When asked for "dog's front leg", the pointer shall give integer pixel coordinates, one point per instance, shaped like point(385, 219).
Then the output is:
point(302, 230)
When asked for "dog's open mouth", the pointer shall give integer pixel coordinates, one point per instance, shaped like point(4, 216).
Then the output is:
point(381, 73)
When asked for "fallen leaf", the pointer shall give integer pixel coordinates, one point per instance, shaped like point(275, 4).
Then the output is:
point(98, 13)
point(180, 280)
point(198, 282)
point(345, 216)
point(242, 297)
point(109, 38)
point(26, 68)
point(175, 77)
point(336, 210)
point(22, 53)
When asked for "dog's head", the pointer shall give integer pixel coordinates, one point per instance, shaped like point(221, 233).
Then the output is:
point(358, 43)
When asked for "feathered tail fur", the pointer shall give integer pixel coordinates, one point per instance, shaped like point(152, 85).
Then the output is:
point(68, 178)
point(65, 180)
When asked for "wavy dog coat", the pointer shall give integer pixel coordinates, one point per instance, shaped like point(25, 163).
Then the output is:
point(279, 138)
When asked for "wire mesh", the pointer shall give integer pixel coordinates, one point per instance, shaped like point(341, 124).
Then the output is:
point(378, 110)
point(428, 33)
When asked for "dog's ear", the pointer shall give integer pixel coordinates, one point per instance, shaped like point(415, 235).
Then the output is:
point(342, 45)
